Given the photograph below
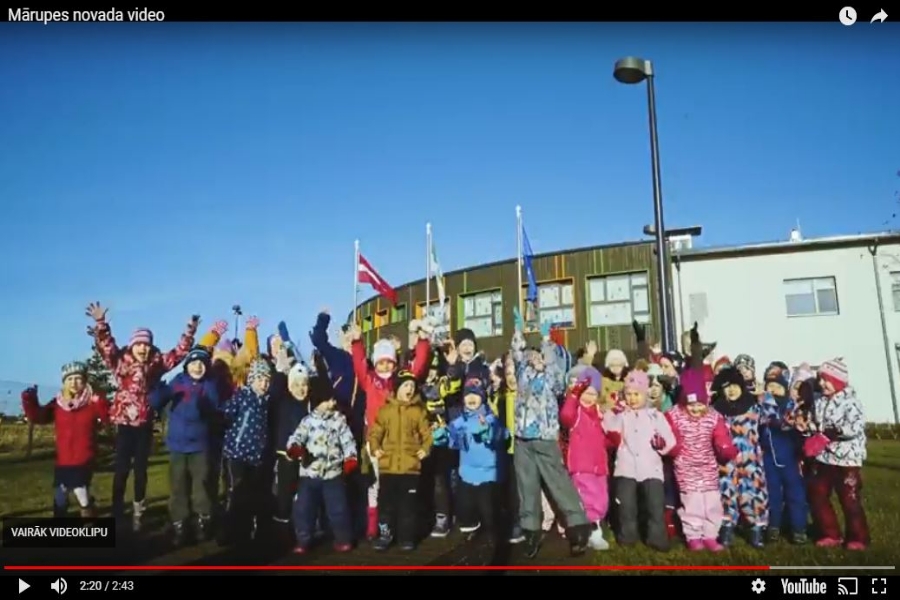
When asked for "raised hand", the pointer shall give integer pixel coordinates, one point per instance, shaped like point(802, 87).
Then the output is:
point(545, 329)
point(220, 327)
point(579, 388)
point(355, 332)
point(194, 322)
point(95, 311)
point(30, 394)
point(252, 323)
point(591, 348)
point(450, 352)
point(518, 321)
point(640, 331)
point(695, 333)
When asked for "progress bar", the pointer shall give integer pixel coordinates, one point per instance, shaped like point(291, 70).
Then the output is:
point(821, 568)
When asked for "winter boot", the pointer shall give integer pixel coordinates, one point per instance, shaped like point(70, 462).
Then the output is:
point(596, 541)
point(441, 526)
point(773, 534)
point(372, 529)
point(385, 538)
point(726, 535)
point(757, 535)
point(89, 512)
point(533, 540)
point(179, 534)
point(671, 523)
point(137, 516)
point(516, 536)
point(204, 528)
point(799, 538)
point(60, 512)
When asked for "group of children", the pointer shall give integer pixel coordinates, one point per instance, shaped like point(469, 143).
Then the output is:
point(397, 444)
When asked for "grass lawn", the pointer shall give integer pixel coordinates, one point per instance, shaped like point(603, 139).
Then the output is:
point(26, 492)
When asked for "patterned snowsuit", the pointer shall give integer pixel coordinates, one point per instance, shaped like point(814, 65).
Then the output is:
point(742, 481)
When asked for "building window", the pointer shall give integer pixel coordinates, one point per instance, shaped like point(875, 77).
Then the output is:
point(618, 299)
point(433, 309)
point(814, 296)
point(398, 314)
point(556, 304)
point(895, 289)
point(483, 313)
point(381, 318)
point(366, 324)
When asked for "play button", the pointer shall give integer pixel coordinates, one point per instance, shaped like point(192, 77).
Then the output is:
point(23, 586)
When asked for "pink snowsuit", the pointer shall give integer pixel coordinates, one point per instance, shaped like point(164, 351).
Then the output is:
point(702, 441)
point(586, 456)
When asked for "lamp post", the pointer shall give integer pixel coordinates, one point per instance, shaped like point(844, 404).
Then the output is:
point(633, 70)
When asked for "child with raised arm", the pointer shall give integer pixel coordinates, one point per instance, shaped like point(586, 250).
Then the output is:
point(75, 413)
point(137, 368)
point(538, 459)
point(192, 401)
point(377, 383)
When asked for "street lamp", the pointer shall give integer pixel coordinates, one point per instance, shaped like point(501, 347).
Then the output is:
point(633, 70)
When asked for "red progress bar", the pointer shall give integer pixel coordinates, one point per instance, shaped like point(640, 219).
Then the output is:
point(382, 568)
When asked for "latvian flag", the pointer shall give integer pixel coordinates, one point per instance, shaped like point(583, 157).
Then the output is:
point(366, 274)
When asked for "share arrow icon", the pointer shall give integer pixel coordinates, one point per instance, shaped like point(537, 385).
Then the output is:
point(880, 16)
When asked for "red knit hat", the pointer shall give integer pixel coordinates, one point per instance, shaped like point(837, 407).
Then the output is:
point(835, 372)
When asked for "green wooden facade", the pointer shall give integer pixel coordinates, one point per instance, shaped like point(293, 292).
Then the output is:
point(378, 319)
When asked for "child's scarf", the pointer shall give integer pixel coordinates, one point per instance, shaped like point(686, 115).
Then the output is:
point(80, 401)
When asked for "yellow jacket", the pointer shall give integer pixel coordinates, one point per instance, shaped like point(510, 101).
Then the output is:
point(506, 403)
point(238, 364)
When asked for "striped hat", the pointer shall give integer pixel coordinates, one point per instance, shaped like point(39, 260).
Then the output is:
point(835, 372)
point(259, 368)
point(198, 353)
point(141, 335)
point(74, 368)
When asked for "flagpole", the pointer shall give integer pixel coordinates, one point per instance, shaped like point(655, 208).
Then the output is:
point(519, 259)
point(427, 310)
point(355, 281)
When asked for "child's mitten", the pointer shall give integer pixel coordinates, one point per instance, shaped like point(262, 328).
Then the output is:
point(252, 323)
point(657, 442)
point(350, 465)
point(296, 452)
point(613, 439)
point(440, 436)
point(220, 327)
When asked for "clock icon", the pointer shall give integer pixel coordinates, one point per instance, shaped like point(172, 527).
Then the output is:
point(847, 16)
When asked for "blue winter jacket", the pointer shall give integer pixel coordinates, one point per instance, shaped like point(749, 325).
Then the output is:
point(478, 444)
point(191, 405)
point(247, 433)
point(340, 366)
point(778, 438)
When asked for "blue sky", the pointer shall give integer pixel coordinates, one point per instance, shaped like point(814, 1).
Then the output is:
point(180, 168)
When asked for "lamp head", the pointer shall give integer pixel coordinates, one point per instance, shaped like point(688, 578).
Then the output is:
point(631, 70)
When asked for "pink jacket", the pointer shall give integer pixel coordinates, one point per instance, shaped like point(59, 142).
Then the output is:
point(635, 457)
point(702, 442)
point(586, 451)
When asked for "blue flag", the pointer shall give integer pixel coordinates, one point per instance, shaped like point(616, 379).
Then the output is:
point(527, 255)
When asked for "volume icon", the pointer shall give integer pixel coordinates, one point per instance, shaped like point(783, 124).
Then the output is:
point(59, 586)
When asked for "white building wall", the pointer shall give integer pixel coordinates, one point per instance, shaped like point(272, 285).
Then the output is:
point(745, 312)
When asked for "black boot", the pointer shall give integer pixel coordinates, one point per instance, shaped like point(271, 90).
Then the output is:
point(532, 543)
point(578, 539)
point(204, 528)
point(179, 534)
point(60, 512)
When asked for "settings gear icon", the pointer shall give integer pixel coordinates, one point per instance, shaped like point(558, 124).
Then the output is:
point(758, 586)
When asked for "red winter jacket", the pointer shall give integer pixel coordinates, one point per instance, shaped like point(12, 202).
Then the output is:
point(134, 379)
point(378, 389)
point(75, 429)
